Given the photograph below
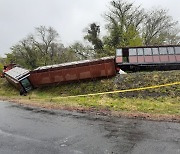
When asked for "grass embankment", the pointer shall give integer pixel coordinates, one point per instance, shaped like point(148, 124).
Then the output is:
point(165, 100)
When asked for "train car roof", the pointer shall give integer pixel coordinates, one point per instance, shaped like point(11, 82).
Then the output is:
point(17, 73)
point(73, 63)
point(150, 46)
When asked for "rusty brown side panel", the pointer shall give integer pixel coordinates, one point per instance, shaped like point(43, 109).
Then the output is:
point(104, 68)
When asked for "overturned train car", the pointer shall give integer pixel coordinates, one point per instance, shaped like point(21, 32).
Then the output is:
point(66, 72)
point(148, 58)
point(73, 71)
point(19, 77)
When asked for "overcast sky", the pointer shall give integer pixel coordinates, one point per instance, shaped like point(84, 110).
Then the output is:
point(18, 18)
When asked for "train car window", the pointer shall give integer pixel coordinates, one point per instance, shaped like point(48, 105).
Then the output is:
point(140, 51)
point(170, 50)
point(147, 51)
point(119, 52)
point(155, 51)
point(26, 84)
point(177, 50)
point(132, 52)
point(163, 51)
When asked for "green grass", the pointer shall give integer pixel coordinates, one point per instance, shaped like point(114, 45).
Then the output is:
point(149, 105)
point(160, 105)
point(163, 100)
point(6, 89)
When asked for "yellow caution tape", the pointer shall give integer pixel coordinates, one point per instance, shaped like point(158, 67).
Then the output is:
point(123, 91)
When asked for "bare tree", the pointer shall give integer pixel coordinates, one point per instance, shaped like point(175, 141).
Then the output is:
point(38, 49)
point(158, 26)
point(45, 40)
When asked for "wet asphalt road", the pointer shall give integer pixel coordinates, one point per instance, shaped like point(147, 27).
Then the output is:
point(26, 130)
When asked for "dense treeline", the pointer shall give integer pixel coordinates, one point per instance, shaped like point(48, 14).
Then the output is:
point(126, 25)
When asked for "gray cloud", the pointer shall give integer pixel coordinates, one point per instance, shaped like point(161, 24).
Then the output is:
point(18, 18)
